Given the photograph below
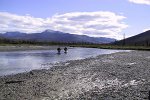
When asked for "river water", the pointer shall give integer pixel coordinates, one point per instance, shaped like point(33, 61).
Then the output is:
point(21, 61)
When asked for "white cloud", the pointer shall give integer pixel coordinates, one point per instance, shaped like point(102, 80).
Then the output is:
point(101, 23)
point(147, 2)
point(147, 29)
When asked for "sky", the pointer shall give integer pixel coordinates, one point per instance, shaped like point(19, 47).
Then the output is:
point(97, 18)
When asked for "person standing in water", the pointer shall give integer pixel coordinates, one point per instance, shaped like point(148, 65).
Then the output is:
point(58, 49)
point(65, 49)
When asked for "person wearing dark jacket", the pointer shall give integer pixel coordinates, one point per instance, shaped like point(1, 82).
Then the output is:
point(58, 49)
point(65, 49)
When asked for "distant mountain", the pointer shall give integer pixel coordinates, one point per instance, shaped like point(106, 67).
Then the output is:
point(56, 36)
point(142, 39)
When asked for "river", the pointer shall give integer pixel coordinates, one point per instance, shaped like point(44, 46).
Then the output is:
point(13, 62)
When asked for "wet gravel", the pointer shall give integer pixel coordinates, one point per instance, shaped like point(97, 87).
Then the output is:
point(118, 76)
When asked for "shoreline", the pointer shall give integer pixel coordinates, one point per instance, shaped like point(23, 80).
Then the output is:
point(122, 75)
point(48, 47)
point(30, 47)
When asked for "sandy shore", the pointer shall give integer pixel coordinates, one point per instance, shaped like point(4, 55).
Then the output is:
point(118, 76)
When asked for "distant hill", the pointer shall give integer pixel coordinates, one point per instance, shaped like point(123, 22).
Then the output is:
point(56, 36)
point(142, 39)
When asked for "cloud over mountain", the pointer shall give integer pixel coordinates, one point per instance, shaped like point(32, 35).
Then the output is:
point(146, 29)
point(147, 2)
point(100, 23)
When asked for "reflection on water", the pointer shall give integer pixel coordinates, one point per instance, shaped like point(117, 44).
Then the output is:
point(21, 61)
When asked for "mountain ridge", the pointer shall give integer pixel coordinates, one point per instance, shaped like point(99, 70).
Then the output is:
point(56, 36)
point(142, 39)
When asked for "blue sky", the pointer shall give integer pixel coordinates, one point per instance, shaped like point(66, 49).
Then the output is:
point(107, 18)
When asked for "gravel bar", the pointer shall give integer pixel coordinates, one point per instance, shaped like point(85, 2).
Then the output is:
point(117, 76)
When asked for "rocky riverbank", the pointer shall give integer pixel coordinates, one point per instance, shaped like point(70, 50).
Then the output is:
point(118, 76)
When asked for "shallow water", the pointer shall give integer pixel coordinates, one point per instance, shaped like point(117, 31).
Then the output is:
point(22, 61)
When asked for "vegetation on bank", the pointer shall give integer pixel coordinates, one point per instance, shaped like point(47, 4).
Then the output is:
point(4, 42)
point(7, 42)
point(111, 46)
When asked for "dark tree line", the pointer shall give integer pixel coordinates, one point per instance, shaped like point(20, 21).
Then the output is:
point(132, 43)
point(33, 42)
